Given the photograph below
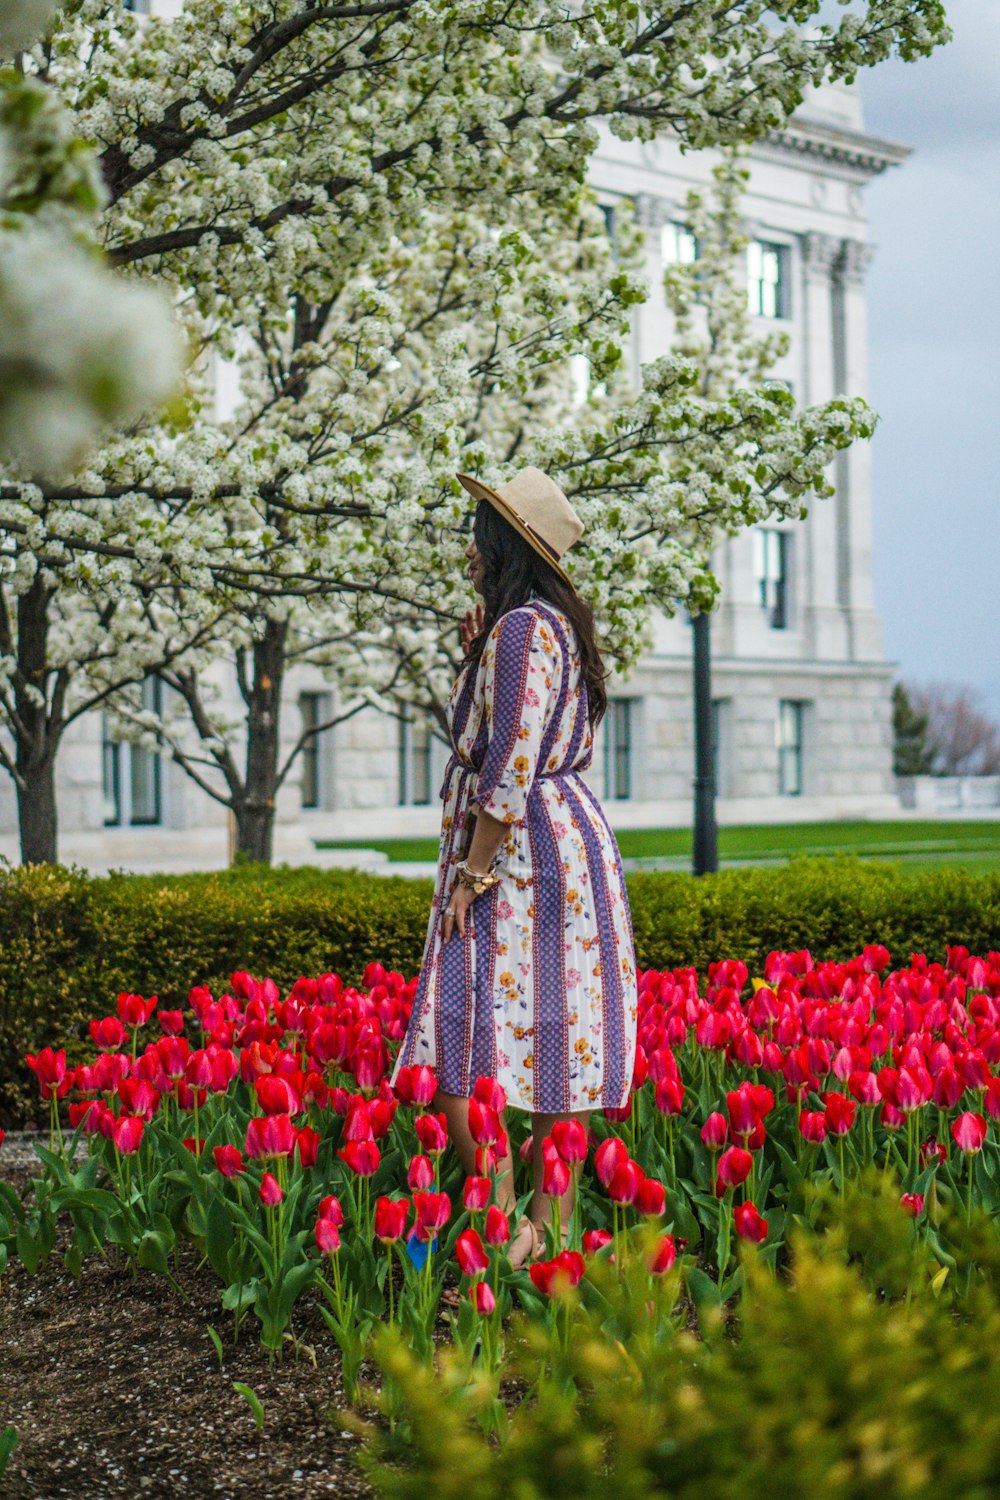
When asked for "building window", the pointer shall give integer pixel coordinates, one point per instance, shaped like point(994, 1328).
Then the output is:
point(770, 565)
point(414, 761)
point(789, 737)
point(678, 246)
point(312, 707)
point(133, 774)
point(618, 749)
point(608, 210)
point(767, 279)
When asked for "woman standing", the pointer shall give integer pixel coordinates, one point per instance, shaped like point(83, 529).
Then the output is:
point(528, 974)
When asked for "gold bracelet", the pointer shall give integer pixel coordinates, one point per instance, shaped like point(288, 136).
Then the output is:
point(474, 882)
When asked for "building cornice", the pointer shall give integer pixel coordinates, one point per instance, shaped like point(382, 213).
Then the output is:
point(833, 143)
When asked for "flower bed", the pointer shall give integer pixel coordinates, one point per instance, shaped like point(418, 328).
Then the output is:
point(263, 1129)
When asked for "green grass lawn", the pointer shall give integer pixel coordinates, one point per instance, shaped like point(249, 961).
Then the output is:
point(917, 845)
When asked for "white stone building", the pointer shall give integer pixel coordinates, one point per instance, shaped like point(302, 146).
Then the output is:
point(801, 689)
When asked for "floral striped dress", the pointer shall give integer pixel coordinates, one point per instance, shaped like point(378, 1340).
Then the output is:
point(541, 992)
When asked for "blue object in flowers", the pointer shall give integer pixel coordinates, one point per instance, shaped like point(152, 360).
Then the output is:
point(418, 1249)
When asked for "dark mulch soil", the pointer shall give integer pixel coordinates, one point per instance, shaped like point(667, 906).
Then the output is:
point(114, 1386)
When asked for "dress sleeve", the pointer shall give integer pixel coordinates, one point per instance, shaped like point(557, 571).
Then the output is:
point(520, 666)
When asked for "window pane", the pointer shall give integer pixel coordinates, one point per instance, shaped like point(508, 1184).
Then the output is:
point(111, 777)
point(789, 738)
point(421, 764)
point(310, 706)
point(145, 780)
point(766, 291)
point(678, 246)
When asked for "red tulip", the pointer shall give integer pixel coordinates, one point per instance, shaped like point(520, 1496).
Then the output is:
point(484, 1124)
point(127, 1134)
point(812, 1126)
point(489, 1091)
point(651, 1199)
point(327, 1234)
point(476, 1193)
point(431, 1211)
point(88, 1114)
point(749, 1224)
point(420, 1173)
point(228, 1160)
point(742, 1111)
point(108, 1034)
point(933, 1148)
point(54, 1081)
point(415, 1085)
point(664, 1256)
point(486, 1159)
point(134, 1010)
point(270, 1190)
point(357, 1124)
point(596, 1239)
point(734, 1166)
point(329, 1208)
point(497, 1229)
point(194, 1144)
point(555, 1177)
point(969, 1131)
point(361, 1157)
point(390, 1218)
point(470, 1253)
point(669, 1097)
point(172, 1021)
point(138, 1097)
point(912, 1203)
point(482, 1298)
point(839, 1112)
point(432, 1133)
point(276, 1096)
point(269, 1135)
point(625, 1185)
point(307, 1146)
point(570, 1140)
point(715, 1131)
point(554, 1277)
point(609, 1156)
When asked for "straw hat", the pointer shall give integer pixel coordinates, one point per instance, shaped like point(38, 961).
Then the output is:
point(537, 508)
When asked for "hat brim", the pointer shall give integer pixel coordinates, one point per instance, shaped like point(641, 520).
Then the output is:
point(480, 491)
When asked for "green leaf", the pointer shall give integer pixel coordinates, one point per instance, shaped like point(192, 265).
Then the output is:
point(8, 1442)
point(217, 1342)
point(28, 1248)
point(256, 1405)
point(704, 1291)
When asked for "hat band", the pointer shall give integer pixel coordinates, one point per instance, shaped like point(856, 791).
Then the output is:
point(539, 539)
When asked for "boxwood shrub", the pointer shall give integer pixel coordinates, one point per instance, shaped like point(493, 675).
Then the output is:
point(70, 942)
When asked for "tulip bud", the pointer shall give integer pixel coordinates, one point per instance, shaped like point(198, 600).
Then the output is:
point(420, 1174)
point(482, 1298)
point(327, 1236)
point(228, 1160)
point(270, 1191)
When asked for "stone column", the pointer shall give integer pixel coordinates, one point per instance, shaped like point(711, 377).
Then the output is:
point(855, 582)
point(653, 327)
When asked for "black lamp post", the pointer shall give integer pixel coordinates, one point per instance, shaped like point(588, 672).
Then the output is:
point(706, 838)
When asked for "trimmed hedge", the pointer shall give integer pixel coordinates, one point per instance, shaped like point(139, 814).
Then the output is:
point(69, 942)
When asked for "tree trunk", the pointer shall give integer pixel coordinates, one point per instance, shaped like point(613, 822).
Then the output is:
point(36, 735)
point(255, 809)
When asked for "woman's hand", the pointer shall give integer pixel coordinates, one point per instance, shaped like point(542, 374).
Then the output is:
point(472, 626)
point(459, 902)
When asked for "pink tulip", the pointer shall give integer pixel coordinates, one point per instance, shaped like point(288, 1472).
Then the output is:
point(497, 1230)
point(596, 1239)
point(127, 1134)
point(476, 1193)
point(715, 1131)
point(432, 1133)
point(969, 1132)
point(470, 1253)
point(555, 1177)
point(912, 1203)
point(609, 1156)
point(270, 1190)
point(327, 1236)
point(420, 1173)
point(482, 1298)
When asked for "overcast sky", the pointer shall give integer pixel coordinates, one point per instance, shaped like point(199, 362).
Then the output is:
point(934, 310)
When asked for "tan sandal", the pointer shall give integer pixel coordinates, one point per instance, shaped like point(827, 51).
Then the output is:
point(537, 1247)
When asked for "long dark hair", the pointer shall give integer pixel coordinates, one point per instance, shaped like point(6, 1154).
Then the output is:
point(512, 572)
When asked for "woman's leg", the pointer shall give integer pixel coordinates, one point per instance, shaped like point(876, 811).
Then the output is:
point(456, 1110)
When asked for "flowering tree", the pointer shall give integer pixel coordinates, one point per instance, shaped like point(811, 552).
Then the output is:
point(358, 203)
